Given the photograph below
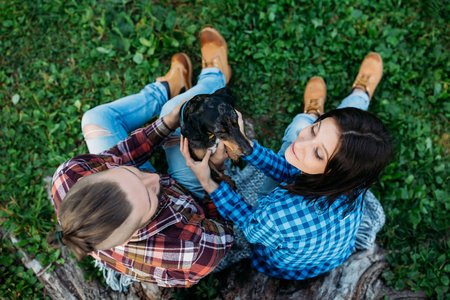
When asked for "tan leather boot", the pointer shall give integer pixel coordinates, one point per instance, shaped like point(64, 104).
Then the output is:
point(315, 96)
point(370, 73)
point(214, 51)
point(179, 76)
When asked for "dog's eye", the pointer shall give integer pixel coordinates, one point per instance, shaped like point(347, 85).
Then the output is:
point(221, 133)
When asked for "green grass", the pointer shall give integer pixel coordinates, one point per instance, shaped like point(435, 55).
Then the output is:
point(60, 58)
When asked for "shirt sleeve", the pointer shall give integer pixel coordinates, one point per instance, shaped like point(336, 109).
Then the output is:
point(257, 225)
point(272, 164)
point(141, 144)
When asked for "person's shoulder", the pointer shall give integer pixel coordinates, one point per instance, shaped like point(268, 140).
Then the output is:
point(70, 171)
point(344, 210)
point(85, 161)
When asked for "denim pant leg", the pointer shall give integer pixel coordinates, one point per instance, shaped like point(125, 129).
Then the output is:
point(209, 80)
point(358, 99)
point(123, 116)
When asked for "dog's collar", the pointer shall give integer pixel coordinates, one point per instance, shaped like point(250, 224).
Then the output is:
point(182, 111)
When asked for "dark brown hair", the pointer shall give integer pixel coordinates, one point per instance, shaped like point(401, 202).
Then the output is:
point(90, 212)
point(364, 150)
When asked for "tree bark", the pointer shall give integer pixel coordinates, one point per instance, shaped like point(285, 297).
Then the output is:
point(358, 278)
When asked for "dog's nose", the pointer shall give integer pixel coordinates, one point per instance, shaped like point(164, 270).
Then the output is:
point(248, 152)
point(247, 149)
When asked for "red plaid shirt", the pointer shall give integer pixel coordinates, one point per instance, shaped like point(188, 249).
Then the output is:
point(182, 243)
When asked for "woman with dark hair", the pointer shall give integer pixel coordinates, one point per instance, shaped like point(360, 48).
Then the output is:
point(307, 225)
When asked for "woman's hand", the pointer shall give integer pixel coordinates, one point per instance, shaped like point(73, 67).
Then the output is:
point(173, 118)
point(200, 168)
point(219, 157)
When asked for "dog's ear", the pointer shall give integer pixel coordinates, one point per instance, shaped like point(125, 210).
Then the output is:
point(193, 131)
point(225, 93)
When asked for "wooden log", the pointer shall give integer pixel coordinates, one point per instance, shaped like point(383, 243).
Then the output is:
point(66, 281)
point(357, 278)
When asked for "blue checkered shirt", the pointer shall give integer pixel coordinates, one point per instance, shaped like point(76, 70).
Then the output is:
point(291, 239)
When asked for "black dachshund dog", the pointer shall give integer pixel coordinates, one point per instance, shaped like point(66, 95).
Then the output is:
point(207, 118)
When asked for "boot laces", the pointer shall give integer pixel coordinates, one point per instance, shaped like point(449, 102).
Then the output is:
point(315, 105)
point(363, 80)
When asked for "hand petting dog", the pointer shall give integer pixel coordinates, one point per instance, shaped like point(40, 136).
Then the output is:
point(219, 157)
point(201, 168)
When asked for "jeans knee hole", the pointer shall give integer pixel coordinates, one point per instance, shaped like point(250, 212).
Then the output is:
point(93, 131)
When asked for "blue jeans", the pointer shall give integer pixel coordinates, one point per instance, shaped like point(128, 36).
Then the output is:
point(122, 116)
point(358, 99)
